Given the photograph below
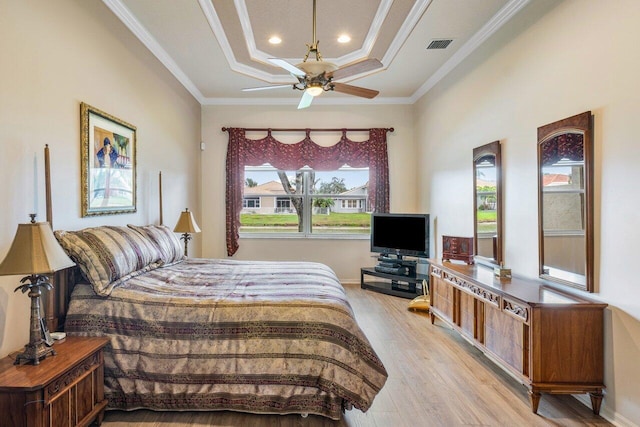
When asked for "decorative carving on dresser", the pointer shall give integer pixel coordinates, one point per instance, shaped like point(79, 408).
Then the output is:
point(474, 289)
point(515, 309)
point(435, 271)
point(68, 378)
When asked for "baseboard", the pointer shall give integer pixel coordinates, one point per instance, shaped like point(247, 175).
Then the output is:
point(613, 417)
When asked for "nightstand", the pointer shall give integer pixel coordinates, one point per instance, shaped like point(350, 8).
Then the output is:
point(63, 390)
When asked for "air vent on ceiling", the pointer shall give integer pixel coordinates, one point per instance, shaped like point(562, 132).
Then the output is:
point(439, 44)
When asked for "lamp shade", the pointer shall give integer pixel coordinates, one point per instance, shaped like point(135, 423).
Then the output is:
point(34, 250)
point(186, 223)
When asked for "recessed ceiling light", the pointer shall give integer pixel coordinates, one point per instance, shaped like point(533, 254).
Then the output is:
point(275, 40)
point(344, 38)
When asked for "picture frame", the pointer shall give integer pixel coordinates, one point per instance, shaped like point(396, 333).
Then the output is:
point(108, 163)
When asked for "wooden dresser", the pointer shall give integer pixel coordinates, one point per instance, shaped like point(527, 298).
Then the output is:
point(63, 390)
point(552, 342)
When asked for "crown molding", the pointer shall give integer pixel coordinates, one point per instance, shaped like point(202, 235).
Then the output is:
point(317, 101)
point(216, 26)
point(487, 30)
point(129, 20)
point(416, 12)
point(496, 22)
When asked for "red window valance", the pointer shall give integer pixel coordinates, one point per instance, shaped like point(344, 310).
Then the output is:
point(568, 146)
point(242, 152)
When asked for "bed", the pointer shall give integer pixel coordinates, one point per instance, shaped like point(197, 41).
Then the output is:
point(216, 334)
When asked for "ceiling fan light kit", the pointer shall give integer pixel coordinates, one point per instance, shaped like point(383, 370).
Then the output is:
point(315, 68)
point(317, 76)
point(315, 90)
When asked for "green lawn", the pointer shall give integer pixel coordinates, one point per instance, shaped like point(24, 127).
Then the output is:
point(486, 216)
point(343, 219)
point(487, 221)
point(283, 220)
point(263, 220)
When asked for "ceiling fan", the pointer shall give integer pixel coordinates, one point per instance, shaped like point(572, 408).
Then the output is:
point(315, 77)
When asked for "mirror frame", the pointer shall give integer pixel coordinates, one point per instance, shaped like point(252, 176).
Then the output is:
point(579, 123)
point(493, 148)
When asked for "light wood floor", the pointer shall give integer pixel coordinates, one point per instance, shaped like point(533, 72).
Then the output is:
point(435, 379)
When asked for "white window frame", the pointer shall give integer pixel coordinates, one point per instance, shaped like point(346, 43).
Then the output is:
point(351, 203)
point(246, 200)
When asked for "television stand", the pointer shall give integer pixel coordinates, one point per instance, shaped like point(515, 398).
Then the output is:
point(398, 285)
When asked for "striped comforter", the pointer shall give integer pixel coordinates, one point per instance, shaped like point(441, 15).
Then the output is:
point(260, 337)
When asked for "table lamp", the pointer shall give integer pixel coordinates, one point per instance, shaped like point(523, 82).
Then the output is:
point(186, 225)
point(35, 252)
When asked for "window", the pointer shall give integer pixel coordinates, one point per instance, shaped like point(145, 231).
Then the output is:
point(307, 202)
point(351, 204)
point(243, 151)
point(283, 204)
point(251, 202)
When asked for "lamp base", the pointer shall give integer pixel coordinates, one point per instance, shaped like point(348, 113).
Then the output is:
point(186, 237)
point(33, 353)
point(36, 349)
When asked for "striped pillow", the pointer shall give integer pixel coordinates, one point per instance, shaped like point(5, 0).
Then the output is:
point(169, 246)
point(108, 255)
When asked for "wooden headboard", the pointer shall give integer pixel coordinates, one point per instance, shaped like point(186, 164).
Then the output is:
point(56, 301)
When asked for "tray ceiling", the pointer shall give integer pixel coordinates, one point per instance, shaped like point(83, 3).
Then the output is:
point(217, 47)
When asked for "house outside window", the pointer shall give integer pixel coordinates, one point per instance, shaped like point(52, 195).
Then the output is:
point(306, 202)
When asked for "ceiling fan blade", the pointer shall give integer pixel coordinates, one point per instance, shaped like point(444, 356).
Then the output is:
point(251, 89)
point(353, 69)
point(305, 101)
point(355, 90)
point(289, 67)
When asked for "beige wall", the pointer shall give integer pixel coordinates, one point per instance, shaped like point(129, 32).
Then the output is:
point(344, 256)
point(55, 55)
point(579, 55)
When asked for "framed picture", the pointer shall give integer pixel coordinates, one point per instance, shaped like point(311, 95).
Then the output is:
point(108, 169)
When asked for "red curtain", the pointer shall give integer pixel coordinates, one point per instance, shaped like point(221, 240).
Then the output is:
point(243, 152)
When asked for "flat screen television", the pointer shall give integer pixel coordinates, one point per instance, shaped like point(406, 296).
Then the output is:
point(400, 234)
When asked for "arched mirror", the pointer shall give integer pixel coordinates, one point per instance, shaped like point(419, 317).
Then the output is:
point(565, 201)
point(487, 204)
